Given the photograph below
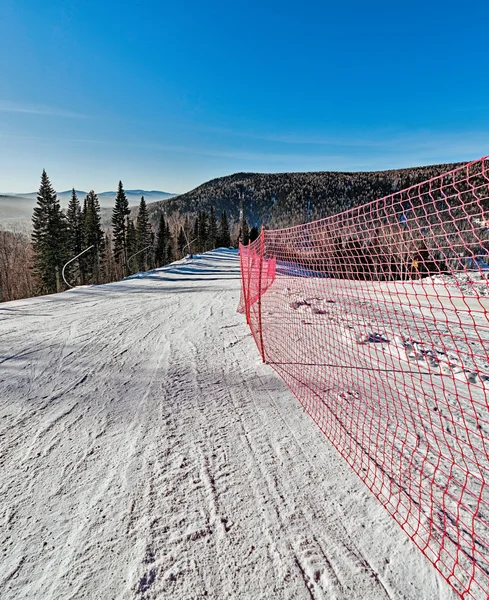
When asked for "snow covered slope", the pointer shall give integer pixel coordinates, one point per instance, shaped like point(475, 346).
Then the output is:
point(145, 452)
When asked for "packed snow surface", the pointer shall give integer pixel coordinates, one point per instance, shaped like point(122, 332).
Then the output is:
point(147, 453)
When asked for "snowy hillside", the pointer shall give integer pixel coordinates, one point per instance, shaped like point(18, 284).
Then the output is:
point(146, 452)
point(287, 199)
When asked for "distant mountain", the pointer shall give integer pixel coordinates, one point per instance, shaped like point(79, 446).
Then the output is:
point(17, 208)
point(273, 199)
point(287, 199)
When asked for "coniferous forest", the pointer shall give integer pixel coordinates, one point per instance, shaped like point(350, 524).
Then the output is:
point(44, 263)
point(218, 213)
point(287, 199)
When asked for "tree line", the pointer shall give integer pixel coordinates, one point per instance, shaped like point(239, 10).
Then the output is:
point(436, 227)
point(16, 280)
point(35, 267)
point(207, 233)
point(161, 232)
point(282, 200)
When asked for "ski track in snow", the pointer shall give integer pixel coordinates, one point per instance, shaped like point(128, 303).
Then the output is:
point(147, 453)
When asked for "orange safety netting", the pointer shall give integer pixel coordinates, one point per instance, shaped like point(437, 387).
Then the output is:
point(377, 320)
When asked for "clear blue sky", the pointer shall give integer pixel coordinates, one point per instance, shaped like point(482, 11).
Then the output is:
point(167, 94)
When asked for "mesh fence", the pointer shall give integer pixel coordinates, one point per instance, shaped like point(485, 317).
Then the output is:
point(377, 320)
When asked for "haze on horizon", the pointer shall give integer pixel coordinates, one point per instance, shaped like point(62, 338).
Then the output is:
point(166, 96)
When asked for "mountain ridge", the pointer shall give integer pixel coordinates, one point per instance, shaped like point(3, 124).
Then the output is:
point(274, 199)
point(19, 206)
point(287, 199)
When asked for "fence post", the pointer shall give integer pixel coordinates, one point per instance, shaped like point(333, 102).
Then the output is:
point(260, 328)
point(243, 287)
point(247, 297)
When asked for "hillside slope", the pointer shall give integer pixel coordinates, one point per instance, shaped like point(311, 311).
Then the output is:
point(146, 452)
point(285, 199)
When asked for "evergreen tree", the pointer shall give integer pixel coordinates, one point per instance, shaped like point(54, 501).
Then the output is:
point(119, 215)
point(169, 239)
point(84, 260)
point(74, 221)
point(131, 244)
point(196, 244)
point(170, 257)
point(203, 230)
point(107, 266)
point(245, 232)
point(186, 229)
point(224, 235)
point(181, 242)
point(151, 252)
point(49, 238)
point(161, 242)
point(144, 236)
point(93, 236)
point(254, 233)
point(212, 232)
point(75, 224)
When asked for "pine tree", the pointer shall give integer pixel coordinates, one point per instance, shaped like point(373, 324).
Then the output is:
point(119, 215)
point(93, 236)
point(203, 231)
point(181, 242)
point(75, 232)
point(84, 260)
point(161, 242)
point(254, 233)
point(49, 238)
point(186, 228)
point(75, 224)
point(131, 244)
point(144, 236)
point(151, 251)
point(245, 232)
point(195, 236)
point(212, 232)
point(107, 263)
point(224, 235)
point(170, 257)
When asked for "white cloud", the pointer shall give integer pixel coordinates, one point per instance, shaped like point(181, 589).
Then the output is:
point(398, 141)
point(14, 107)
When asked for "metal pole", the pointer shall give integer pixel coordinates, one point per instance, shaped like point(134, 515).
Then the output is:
point(188, 245)
point(136, 253)
point(243, 289)
point(248, 306)
point(70, 261)
point(260, 327)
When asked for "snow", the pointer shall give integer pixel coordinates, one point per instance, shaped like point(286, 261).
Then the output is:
point(424, 345)
point(146, 452)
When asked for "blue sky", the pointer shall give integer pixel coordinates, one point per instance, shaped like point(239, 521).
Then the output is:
point(168, 94)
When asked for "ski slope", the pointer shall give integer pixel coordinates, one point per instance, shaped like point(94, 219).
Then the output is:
point(147, 453)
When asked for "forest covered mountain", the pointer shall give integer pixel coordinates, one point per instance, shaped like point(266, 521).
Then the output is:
point(286, 199)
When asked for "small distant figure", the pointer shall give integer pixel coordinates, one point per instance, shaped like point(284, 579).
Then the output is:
point(415, 269)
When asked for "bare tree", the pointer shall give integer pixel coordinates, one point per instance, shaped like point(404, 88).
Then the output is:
point(16, 277)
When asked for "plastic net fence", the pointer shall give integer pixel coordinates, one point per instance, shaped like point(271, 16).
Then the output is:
point(377, 320)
